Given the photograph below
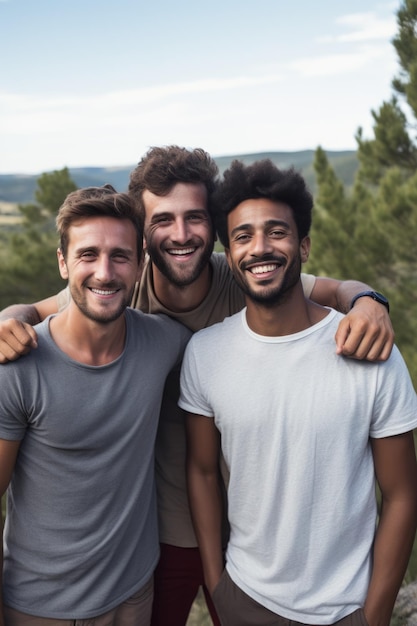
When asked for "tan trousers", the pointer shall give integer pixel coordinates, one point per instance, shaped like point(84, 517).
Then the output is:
point(135, 611)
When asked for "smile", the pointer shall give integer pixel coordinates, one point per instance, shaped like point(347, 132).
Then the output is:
point(264, 269)
point(104, 292)
point(181, 251)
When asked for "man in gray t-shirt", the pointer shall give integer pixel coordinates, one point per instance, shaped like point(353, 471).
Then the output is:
point(78, 420)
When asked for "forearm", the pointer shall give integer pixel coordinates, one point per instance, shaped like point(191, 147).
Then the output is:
point(337, 294)
point(206, 510)
point(1, 570)
point(392, 549)
point(22, 312)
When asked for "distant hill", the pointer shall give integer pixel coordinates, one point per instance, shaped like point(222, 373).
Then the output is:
point(19, 188)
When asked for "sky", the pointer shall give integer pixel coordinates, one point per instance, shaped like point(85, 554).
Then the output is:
point(98, 82)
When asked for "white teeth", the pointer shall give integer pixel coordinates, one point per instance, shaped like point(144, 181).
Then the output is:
point(263, 269)
point(103, 292)
point(182, 251)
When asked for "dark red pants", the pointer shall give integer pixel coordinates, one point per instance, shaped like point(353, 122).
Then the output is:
point(178, 577)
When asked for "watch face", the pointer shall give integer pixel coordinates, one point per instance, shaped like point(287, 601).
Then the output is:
point(380, 298)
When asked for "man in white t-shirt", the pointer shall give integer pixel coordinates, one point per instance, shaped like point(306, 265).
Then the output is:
point(302, 431)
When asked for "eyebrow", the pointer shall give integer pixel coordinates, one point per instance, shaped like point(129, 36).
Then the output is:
point(187, 212)
point(126, 251)
point(268, 224)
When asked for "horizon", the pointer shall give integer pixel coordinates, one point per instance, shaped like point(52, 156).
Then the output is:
point(127, 166)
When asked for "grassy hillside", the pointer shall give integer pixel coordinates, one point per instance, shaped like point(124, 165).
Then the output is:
point(19, 188)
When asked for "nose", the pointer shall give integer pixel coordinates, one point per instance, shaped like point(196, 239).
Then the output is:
point(104, 270)
point(261, 244)
point(181, 233)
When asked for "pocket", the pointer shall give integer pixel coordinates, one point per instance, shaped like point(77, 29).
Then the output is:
point(362, 619)
point(218, 584)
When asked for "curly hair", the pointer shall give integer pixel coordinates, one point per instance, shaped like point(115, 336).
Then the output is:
point(261, 179)
point(97, 202)
point(163, 167)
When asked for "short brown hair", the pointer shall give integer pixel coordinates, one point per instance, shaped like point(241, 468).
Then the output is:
point(97, 201)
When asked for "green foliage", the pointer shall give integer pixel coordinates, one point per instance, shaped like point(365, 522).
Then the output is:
point(405, 44)
point(28, 265)
point(369, 231)
point(391, 146)
point(53, 188)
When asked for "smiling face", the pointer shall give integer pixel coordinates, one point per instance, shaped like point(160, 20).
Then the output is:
point(265, 253)
point(178, 232)
point(101, 266)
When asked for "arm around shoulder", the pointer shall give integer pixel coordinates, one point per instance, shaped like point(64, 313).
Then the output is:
point(366, 331)
point(17, 336)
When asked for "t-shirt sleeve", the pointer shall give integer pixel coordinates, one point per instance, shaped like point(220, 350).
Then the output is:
point(308, 282)
point(13, 423)
point(192, 397)
point(396, 401)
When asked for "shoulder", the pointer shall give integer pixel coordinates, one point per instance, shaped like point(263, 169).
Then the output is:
point(156, 324)
point(217, 331)
point(308, 281)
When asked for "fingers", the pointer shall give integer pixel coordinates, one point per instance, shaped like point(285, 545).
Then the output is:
point(365, 337)
point(16, 338)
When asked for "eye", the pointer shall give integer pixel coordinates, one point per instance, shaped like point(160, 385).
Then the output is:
point(242, 237)
point(196, 218)
point(160, 220)
point(88, 255)
point(278, 233)
point(120, 258)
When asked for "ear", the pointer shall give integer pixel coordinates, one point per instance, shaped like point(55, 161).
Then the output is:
point(305, 246)
point(144, 244)
point(62, 264)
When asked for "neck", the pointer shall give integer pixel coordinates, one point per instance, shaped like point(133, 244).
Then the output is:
point(85, 340)
point(291, 315)
point(180, 299)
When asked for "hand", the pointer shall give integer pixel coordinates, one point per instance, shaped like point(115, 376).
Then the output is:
point(16, 338)
point(365, 332)
point(212, 583)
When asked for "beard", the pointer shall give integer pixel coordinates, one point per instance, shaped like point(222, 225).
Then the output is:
point(265, 294)
point(101, 314)
point(176, 274)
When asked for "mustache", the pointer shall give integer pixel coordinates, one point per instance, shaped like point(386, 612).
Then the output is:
point(112, 285)
point(265, 258)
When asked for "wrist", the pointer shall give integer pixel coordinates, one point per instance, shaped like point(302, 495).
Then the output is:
point(375, 295)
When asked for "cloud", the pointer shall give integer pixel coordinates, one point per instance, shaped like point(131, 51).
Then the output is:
point(363, 27)
point(337, 64)
point(22, 113)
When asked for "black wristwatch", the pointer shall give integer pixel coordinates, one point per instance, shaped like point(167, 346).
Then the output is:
point(378, 297)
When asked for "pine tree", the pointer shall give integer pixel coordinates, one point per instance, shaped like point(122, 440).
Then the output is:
point(29, 270)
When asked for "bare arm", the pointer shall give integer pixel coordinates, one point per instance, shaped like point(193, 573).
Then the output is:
point(203, 449)
point(366, 331)
point(396, 472)
point(17, 336)
point(8, 454)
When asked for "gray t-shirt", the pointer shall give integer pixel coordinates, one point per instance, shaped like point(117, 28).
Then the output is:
point(81, 528)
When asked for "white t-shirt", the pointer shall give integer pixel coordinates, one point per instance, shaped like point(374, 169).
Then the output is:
point(295, 421)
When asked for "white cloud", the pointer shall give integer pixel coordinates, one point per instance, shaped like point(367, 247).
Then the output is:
point(38, 114)
point(363, 27)
point(337, 64)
